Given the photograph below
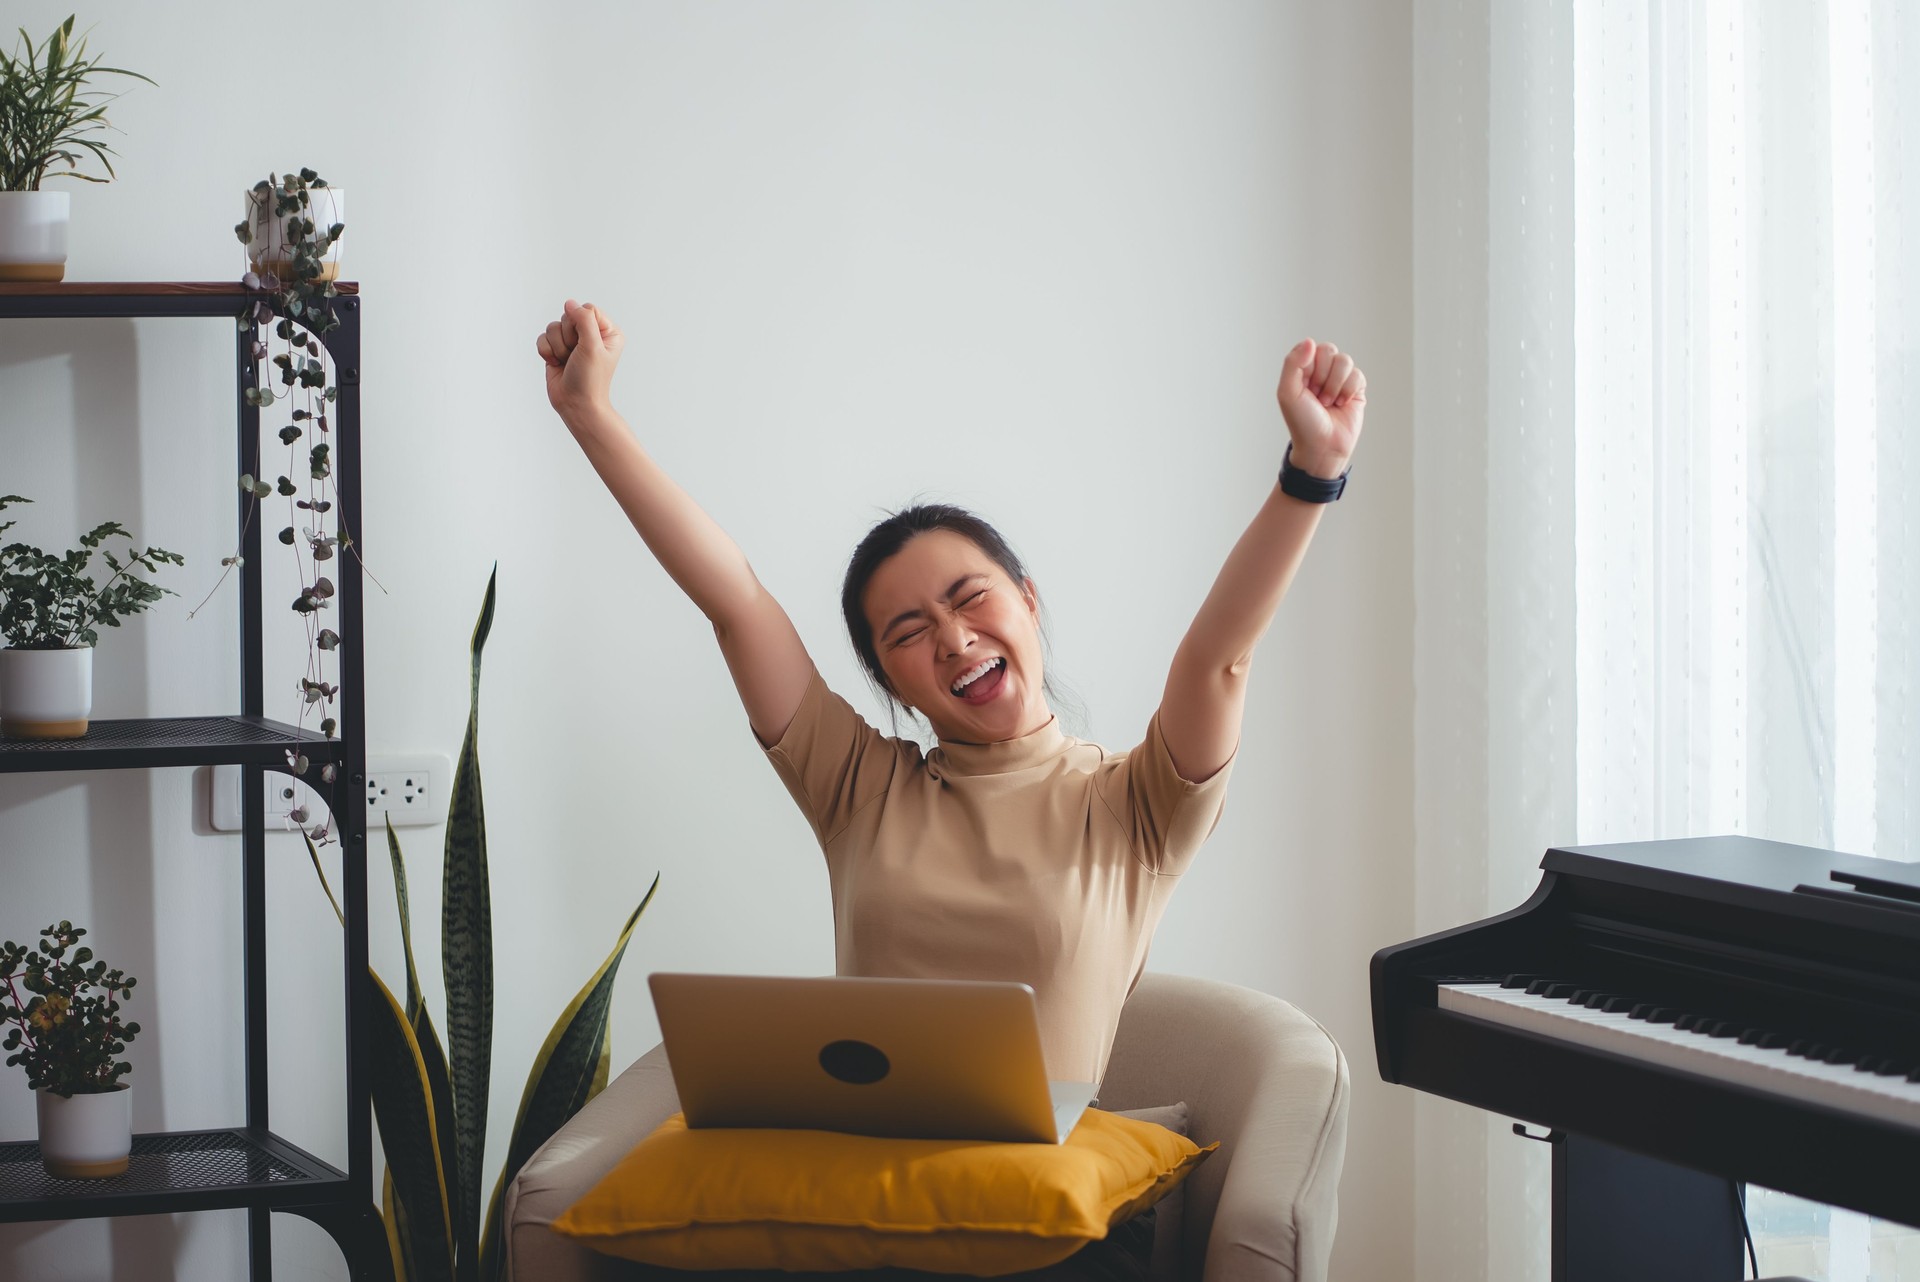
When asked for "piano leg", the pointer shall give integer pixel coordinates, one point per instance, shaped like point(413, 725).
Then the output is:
point(1618, 1216)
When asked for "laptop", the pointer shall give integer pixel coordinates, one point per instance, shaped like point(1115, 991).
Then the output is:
point(905, 1058)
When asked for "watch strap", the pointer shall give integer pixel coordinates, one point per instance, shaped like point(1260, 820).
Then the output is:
point(1307, 487)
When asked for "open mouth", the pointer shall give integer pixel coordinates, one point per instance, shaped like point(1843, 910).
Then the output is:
point(983, 687)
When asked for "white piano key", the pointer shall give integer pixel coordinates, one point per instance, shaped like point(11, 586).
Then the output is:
point(1840, 1086)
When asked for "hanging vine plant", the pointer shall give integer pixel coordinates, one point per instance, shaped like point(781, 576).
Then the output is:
point(288, 259)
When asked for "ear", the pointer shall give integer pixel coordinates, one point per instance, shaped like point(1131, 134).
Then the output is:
point(1032, 594)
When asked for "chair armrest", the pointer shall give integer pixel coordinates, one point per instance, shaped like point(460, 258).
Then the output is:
point(574, 1159)
point(1270, 1085)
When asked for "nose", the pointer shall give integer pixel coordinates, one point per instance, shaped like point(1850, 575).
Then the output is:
point(953, 635)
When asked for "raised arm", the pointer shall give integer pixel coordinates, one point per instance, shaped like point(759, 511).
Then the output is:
point(769, 663)
point(1323, 398)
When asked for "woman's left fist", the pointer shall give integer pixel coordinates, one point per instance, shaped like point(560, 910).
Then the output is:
point(1323, 396)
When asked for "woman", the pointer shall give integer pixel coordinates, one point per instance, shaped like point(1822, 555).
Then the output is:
point(1010, 851)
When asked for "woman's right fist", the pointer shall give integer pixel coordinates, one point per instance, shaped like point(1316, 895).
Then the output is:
point(580, 350)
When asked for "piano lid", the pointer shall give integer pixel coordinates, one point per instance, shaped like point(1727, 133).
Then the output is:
point(1881, 895)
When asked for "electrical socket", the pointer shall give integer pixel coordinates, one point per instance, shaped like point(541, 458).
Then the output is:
point(413, 789)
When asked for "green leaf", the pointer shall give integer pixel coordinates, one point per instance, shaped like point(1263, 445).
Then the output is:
point(433, 1057)
point(466, 941)
point(321, 873)
point(409, 1133)
point(399, 1233)
point(570, 1069)
point(406, 919)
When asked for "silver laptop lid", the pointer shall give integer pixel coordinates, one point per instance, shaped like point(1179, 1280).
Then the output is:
point(911, 1058)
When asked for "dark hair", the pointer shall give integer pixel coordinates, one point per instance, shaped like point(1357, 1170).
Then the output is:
point(886, 539)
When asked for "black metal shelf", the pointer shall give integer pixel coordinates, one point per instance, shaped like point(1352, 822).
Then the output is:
point(249, 1167)
point(53, 300)
point(171, 1171)
point(170, 741)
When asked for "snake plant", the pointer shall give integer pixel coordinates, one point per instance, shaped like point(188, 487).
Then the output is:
point(431, 1100)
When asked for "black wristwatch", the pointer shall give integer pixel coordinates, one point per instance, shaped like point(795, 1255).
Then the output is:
point(1307, 487)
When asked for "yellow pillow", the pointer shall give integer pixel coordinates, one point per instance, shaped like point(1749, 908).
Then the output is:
point(810, 1201)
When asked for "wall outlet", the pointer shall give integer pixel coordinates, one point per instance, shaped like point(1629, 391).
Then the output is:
point(414, 790)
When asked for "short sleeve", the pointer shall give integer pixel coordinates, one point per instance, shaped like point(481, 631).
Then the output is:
point(831, 760)
point(1166, 817)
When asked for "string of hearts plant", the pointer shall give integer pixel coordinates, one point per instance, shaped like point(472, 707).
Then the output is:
point(301, 386)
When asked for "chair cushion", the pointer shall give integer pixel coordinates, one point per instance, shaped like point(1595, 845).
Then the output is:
point(818, 1200)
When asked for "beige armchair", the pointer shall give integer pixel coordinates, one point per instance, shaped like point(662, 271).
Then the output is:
point(1259, 1076)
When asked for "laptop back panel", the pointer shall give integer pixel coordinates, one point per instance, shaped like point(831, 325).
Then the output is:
point(946, 1059)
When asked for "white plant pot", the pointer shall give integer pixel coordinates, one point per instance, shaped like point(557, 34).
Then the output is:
point(33, 234)
point(269, 251)
point(87, 1137)
point(45, 694)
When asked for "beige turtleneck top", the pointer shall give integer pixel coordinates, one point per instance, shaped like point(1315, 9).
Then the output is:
point(1043, 859)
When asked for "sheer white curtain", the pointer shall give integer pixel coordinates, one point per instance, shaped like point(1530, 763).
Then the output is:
point(1666, 259)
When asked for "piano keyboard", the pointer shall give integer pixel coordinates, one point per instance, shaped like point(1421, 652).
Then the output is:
point(1776, 1063)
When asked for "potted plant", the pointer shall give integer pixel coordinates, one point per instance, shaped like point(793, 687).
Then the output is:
point(292, 234)
point(49, 608)
point(293, 227)
point(66, 1032)
point(48, 117)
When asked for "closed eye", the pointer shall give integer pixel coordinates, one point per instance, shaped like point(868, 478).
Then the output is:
point(900, 641)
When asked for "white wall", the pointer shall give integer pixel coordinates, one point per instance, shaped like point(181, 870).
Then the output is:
point(1041, 260)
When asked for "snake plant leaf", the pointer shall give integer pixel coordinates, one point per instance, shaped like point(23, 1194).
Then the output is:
point(466, 946)
point(402, 1103)
point(318, 871)
point(399, 1233)
point(570, 1069)
point(432, 1056)
point(406, 918)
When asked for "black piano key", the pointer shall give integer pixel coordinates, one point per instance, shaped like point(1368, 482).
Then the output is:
point(1913, 1074)
point(1686, 1020)
point(1659, 1015)
point(1539, 987)
point(1839, 1055)
point(1725, 1028)
point(1614, 1005)
point(1807, 1048)
point(1517, 981)
point(1751, 1036)
point(1596, 999)
point(1560, 991)
point(1891, 1068)
point(1775, 1041)
point(1578, 997)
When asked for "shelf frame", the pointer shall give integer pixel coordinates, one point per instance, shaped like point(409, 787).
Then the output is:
point(340, 1202)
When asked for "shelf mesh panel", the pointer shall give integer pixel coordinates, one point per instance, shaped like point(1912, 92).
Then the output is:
point(160, 1163)
point(180, 732)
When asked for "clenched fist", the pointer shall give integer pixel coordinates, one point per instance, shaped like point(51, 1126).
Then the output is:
point(1323, 396)
point(581, 350)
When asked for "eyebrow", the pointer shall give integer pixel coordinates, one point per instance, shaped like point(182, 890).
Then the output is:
point(905, 615)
